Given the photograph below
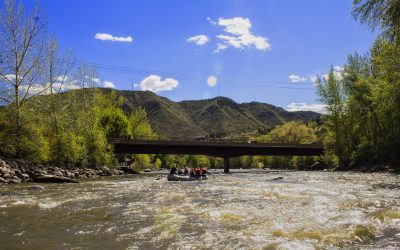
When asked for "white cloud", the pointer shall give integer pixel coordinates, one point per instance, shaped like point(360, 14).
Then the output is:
point(108, 37)
point(9, 77)
point(108, 84)
point(301, 106)
point(199, 40)
point(314, 78)
point(338, 68)
point(155, 84)
point(297, 78)
point(211, 21)
point(58, 86)
point(212, 81)
point(220, 47)
point(96, 80)
point(239, 35)
point(337, 73)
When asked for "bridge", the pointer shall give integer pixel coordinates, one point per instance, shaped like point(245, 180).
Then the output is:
point(223, 149)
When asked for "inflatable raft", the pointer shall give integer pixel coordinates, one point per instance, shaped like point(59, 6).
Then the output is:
point(175, 177)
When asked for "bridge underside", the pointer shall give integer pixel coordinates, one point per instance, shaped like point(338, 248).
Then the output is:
point(223, 150)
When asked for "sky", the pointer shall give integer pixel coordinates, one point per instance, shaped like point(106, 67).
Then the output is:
point(248, 50)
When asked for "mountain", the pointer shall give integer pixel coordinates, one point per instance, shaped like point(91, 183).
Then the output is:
point(220, 115)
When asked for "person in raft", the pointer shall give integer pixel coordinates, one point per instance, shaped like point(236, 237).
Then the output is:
point(204, 171)
point(173, 170)
point(198, 172)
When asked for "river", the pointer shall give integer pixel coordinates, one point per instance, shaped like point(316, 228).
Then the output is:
point(305, 210)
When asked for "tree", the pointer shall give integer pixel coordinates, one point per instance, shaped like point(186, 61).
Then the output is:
point(333, 94)
point(22, 54)
point(140, 125)
point(293, 132)
point(55, 107)
point(383, 14)
point(114, 122)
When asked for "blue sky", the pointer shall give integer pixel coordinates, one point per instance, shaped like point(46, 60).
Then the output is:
point(269, 49)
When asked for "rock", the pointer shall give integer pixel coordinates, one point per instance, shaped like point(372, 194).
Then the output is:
point(25, 176)
point(128, 170)
point(2, 180)
point(4, 170)
point(147, 170)
point(317, 166)
point(37, 188)
point(277, 178)
point(7, 176)
point(17, 172)
point(53, 179)
point(15, 180)
point(58, 173)
point(386, 186)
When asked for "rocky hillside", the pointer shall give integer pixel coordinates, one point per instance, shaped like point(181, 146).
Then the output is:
point(218, 115)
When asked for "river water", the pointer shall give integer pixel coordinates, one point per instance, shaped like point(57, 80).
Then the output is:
point(305, 210)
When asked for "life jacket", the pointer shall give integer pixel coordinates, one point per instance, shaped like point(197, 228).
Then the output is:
point(197, 171)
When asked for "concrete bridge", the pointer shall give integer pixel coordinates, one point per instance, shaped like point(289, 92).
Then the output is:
point(223, 149)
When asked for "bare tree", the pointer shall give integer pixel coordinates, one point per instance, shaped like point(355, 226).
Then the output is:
point(22, 55)
point(58, 69)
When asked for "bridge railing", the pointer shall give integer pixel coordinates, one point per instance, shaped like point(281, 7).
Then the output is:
point(186, 139)
point(204, 140)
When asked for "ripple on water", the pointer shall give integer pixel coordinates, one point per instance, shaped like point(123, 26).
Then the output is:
point(305, 210)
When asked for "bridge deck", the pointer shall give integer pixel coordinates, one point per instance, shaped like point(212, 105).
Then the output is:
point(217, 148)
point(211, 143)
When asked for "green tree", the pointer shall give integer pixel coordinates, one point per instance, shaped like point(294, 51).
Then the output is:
point(294, 132)
point(114, 122)
point(140, 125)
point(383, 14)
point(332, 93)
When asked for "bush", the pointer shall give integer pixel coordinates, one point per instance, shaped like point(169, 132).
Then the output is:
point(364, 154)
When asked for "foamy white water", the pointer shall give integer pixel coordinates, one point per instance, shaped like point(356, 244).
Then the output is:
point(305, 210)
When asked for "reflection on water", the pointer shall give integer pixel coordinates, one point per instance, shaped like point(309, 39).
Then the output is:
point(305, 210)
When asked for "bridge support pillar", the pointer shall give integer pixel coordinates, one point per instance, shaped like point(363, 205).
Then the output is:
point(226, 164)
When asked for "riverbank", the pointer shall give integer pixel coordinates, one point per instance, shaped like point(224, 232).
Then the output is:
point(13, 171)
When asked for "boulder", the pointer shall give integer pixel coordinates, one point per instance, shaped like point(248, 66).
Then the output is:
point(2, 180)
point(25, 176)
point(7, 176)
point(4, 170)
point(58, 173)
point(53, 179)
point(15, 180)
point(128, 170)
point(317, 166)
point(36, 188)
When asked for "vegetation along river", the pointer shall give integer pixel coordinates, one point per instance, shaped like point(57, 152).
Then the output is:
point(305, 210)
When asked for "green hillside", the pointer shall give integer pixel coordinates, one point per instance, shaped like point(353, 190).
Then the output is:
point(220, 115)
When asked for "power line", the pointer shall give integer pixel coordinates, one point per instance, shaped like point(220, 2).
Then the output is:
point(144, 72)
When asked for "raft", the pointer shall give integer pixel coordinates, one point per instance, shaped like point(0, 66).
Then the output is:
point(174, 177)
